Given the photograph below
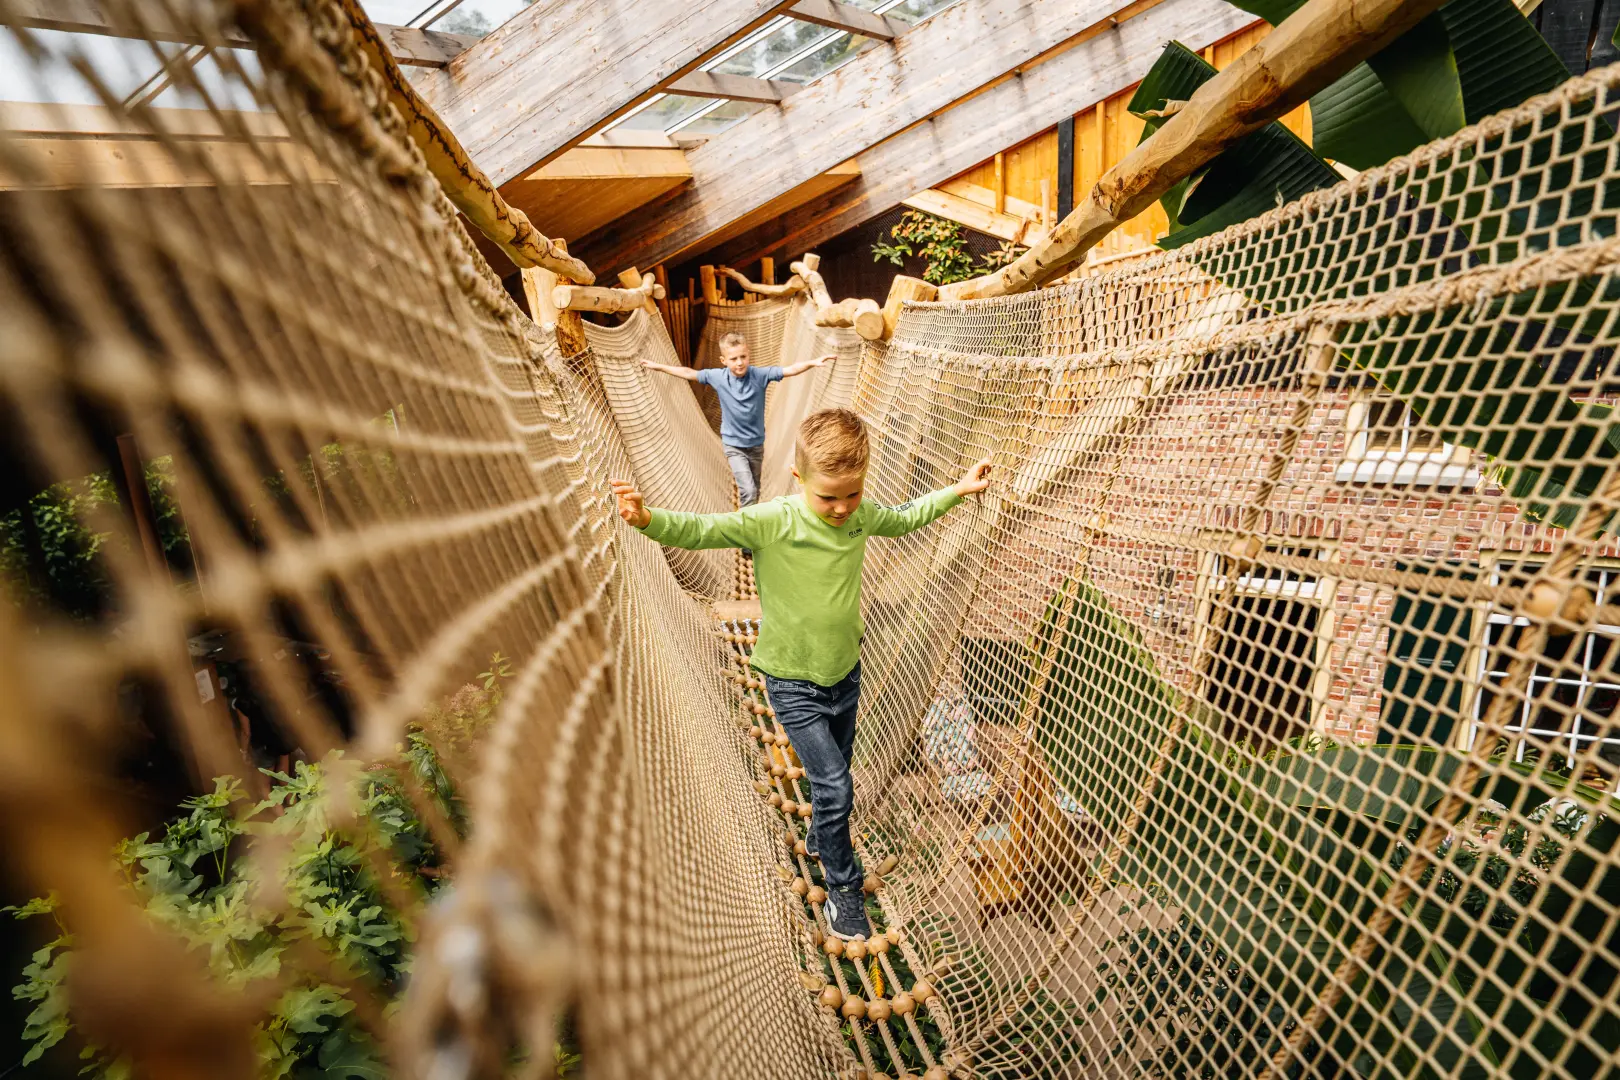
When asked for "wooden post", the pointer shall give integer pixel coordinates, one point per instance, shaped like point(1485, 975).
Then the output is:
point(711, 289)
point(1046, 204)
point(662, 280)
point(539, 286)
point(138, 504)
point(904, 288)
point(767, 271)
point(1001, 183)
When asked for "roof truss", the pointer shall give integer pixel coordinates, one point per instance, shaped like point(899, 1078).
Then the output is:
point(1098, 63)
point(411, 46)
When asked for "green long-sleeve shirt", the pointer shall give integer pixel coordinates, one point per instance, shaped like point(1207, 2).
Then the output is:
point(807, 571)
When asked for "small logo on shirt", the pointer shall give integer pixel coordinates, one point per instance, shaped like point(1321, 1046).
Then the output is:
point(903, 507)
point(856, 532)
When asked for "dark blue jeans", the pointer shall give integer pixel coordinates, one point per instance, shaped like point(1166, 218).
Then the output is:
point(820, 720)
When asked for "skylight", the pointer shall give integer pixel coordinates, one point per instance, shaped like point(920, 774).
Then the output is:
point(785, 49)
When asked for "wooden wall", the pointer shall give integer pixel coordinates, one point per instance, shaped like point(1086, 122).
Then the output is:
point(1102, 136)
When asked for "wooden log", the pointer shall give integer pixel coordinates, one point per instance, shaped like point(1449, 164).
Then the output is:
point(794, 284)
point(711, 289)
point(767, 271)
point(462, 180)
point(634, 279)
point(863, 314)
point(604, 300)
point(904, 288)
point(1313, 47)
point(539, 285)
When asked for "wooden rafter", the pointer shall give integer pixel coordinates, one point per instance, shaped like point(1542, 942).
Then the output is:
point(1099, 62)
point(837, 16)
point(409, 45)
point(868, 100)
point(712, 84)
point(560, 70)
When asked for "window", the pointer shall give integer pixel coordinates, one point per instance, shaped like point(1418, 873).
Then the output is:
point(1574, 692)
point(1389, 444)
point(1424, 662)
point(1265, 658)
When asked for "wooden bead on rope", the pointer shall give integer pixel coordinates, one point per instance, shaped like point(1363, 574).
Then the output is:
point(789, 806)
point(781, 739)
point(854, 1007)
point(872, 884)
point(800, 886)
point(775, 799)
point(831, 996)
point(878, 945)
point(817, 937)
point(816, 895)
point(903, 1003)
point(921, 991)
point(804, 810)
point(779, 771)
point(877, 1010)
point(889, 863)
point(799, 848)
point(855, 950)
point(833, 946)
point(762, 787)
point(894, 935)
point(936, 1072)
point(795, 773)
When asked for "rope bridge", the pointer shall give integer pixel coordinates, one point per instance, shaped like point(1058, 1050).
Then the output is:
point(1258, 720)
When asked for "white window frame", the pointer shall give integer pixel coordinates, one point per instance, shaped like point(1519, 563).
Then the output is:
point(1446, 466)
point(1573, 741)
point(1318, 592)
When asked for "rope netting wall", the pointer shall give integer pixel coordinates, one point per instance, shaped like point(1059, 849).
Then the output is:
point(1258, 720)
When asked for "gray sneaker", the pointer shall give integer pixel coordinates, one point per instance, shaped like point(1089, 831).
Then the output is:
point(846, 914)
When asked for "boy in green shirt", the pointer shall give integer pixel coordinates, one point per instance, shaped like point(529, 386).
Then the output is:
point(808, 552)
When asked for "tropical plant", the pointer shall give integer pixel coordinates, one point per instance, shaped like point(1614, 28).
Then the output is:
point(942, 246)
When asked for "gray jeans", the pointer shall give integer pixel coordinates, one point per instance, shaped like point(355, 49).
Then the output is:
point(745, 462)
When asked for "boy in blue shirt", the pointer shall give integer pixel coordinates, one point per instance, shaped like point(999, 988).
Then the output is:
point(741, 390)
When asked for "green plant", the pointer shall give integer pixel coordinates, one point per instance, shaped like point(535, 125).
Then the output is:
point(941, 244)
point(194, 880)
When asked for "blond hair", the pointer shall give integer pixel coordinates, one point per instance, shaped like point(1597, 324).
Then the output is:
point(732, 340)
point(831, 442)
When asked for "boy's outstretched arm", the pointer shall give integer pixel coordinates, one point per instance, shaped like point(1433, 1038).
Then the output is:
point(913, 515)
point(805, 365)
point(752, 527)
point(689, 374)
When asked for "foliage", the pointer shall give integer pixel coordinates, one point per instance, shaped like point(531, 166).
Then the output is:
point(942, 246)
point(197, 879)
point(73, 578)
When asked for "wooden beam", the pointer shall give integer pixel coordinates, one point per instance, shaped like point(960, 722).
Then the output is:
point(979, 218)
point(612, 163)
point(604, 300)
point(464, 183)
point(793, 286)
point(711, 84)
point(1000, 192)
point(836, 16)
point(409, 45)
point(1314, 46)
point(1099, 63)
point(868, 100)
point(561, 69)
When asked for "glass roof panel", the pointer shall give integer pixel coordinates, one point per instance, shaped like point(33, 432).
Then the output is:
point(834, 54)
point(476, 17)
point(121, 65)
point(914, 11)
point(721, 117)
point(773, 49)
point(663, 112)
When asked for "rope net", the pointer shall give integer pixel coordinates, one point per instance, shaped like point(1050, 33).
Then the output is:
point(1258, 720)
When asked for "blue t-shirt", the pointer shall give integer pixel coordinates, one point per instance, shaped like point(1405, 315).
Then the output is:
point(742, 402)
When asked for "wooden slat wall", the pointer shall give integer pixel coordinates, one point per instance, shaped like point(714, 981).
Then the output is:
point(1099, 144)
